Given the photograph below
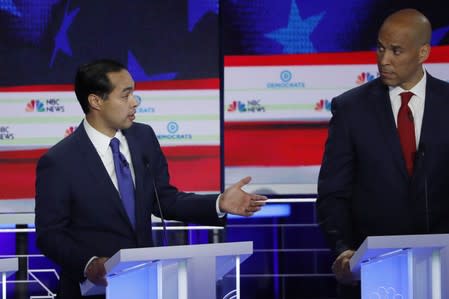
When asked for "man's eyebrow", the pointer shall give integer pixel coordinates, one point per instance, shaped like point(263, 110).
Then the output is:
point(396, 47)
point(126, 89)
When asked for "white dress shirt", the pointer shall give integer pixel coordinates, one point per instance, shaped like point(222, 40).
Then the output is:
point(416, 104)
point(101, 144)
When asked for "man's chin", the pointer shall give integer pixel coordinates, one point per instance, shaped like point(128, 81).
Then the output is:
point(127, 125)
point(388, 81)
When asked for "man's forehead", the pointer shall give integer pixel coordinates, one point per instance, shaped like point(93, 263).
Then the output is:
point(390, 44)
point(121, 80)
point(396, 40)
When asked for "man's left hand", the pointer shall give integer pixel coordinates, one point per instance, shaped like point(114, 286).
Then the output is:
point(236, 201)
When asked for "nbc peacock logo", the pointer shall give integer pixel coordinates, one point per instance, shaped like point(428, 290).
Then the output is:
point(323, 105)
point(237, 106)
point(35, 105)
point(69, 131)
point(365, 77)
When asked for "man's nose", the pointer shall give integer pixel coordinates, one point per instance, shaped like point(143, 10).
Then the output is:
point(384, 58)
point(135, 101)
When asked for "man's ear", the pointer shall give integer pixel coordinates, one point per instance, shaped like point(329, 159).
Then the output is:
point(424, 53)
point(95, 102)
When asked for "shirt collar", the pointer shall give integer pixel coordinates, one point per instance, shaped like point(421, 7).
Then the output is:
point(100, 140)
point(419, 89)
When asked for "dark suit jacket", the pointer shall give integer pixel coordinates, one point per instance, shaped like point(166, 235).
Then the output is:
point(363, 186)
point(79, 213)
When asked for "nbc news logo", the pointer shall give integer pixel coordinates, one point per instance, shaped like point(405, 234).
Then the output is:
point(49, 105)
point(250, 106)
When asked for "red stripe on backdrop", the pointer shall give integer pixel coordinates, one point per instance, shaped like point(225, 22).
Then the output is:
point(210, 83)
point(273, 144)
point(38, 88)
point(302, 59)
point(437, 54)
point(17, 173)
point(193, 168)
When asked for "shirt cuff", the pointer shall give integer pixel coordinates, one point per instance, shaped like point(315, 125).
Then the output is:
point(220, 214)
point(88, 263)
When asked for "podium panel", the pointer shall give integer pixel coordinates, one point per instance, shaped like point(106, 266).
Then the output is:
point(408, 266)
point(183, 272)
point(7, 267)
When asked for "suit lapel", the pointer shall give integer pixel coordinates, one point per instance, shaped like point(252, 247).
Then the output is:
point(432, 107)
point(97, 169)
point(387, 124)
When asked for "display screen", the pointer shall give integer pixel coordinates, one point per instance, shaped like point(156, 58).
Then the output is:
point(284, 62)
point(170, 49)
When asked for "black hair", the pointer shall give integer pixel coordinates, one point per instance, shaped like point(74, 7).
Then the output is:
point(92, 78)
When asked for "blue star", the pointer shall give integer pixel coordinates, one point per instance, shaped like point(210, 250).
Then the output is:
point(61, 39)
point(139, 74)
point(8, 5)
point(198, 8)
point(296, 36)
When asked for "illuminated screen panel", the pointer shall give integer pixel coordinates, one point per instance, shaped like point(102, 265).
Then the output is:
point(277, 106)
point(184, 115)
point(276, 110)
point(169, 47)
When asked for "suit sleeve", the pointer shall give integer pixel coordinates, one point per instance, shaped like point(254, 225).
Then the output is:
point(52, 218)
point(177, 205)
point(335, 182)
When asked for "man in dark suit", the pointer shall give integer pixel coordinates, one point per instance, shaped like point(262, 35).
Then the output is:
point(385, 169)
point(92, 200)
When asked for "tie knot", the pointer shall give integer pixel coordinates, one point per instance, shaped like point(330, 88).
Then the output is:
point(115, 145)
point(405, 97)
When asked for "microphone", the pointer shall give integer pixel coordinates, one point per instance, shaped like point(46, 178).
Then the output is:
point(164, 227)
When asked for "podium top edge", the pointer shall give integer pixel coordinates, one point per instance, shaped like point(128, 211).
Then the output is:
point(9, 265)
point(374, 246)
point(147, 254)
point(407, 241)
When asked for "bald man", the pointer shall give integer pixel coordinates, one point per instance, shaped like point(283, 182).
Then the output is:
point(385, 169)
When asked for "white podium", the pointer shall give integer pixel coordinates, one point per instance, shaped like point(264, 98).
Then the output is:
point(406, 266)
point(184, 272)
point(7, 267)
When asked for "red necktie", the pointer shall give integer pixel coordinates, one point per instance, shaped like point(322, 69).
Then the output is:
point(406, 130)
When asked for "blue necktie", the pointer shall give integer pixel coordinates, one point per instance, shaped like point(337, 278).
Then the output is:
point(124, 180)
